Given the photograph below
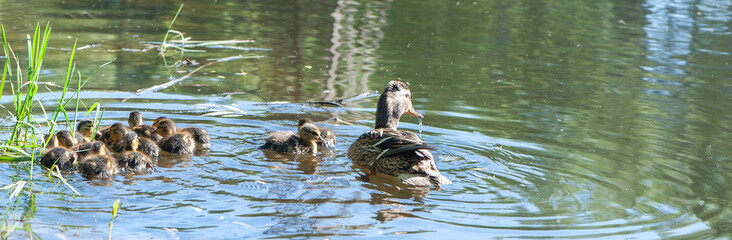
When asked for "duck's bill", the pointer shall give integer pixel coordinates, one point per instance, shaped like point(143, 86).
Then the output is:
point(320, 139)
point(413, 112)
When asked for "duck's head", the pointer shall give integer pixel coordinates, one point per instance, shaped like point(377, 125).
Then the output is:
point(117, 132)
point(98, 148)
point(85, 127)
point(52, 140)
point(165, 127)
point(65, 139)
point(307, 131)
point(158, 120)
point(131, 141)
point(395, 101)
point(135, 119)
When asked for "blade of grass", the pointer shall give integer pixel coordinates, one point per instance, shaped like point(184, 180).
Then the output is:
point(163, 45)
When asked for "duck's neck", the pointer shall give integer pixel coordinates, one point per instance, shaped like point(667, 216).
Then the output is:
point(314, 146)
point(387, 114)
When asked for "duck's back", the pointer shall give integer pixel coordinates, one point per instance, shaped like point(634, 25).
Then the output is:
point(398, 153)
point(178, 143)
point(135, 162)
point(281, 141)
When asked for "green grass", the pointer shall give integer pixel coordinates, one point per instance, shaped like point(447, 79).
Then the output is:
point(24, 145)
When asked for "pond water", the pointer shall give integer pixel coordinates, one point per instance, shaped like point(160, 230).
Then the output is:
point(554, 119)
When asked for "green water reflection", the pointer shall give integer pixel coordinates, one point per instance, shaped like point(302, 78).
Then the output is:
point(555, 119)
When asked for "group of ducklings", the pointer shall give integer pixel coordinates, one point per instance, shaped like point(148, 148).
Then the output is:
point(383, 150)
point(118, 148)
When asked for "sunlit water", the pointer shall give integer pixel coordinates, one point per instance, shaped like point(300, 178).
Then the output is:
point(601, 119)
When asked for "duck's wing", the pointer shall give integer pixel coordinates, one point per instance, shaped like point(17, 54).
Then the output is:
point(394, 142)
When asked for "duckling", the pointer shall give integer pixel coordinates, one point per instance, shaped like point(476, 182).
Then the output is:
point(54, 154)
point(305, 141)
point(329, 138)
point(131, 159)
point(174, 141)
point(84, 131)
point(92, 148)
point(392, 152)
point(101, 166)
point(117, 134)
point(66, 139)
point(203, 140)
point(142, 130)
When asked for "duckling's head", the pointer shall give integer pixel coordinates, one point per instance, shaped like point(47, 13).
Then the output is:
point(393, 103)
point(135, 119)
point(131, 141)
point(85, 127)
point(308, 132)
point(65, 139)
point(52, 140)
point(117, 132)
point(158, 120)
point(98, 148)
point(165, 127)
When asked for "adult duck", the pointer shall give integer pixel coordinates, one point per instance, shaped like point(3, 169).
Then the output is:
point(392, 152)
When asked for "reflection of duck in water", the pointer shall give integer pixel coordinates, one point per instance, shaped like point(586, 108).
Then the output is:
point(305, 141)
point(392, 152)
point(142, 130)
point(132, 159)
point(199, 135)
point(176, 142)
point(56, 155)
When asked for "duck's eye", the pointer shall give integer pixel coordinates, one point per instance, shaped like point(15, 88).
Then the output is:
point(408, 95)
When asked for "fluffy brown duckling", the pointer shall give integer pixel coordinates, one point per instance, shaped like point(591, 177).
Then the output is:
point(174, 141)
point(100, 166)
point(84, 131)
point(117, 135)
point(142, 130)
point(66, 139)
point(305, 141)
point(55, 155)
point(199, 135)
point(392, 152)
point(92, 148)
point(132, 159)
point(329, 138)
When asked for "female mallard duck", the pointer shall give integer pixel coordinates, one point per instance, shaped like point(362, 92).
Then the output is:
point(176, 142)
point(142, 130)
point(199, 135)
point(305, 141)
point(55, 155)
point(117, 134)
point(132, 159)
point(392, 152)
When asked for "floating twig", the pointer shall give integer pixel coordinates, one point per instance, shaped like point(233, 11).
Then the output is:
point(180, 79)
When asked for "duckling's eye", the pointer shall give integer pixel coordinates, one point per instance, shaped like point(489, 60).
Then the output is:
point(408, 95)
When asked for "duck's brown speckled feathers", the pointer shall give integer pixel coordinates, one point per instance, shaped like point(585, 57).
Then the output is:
point(305, 141)
point(132, 159)
point(93, 148)
point(65, 139)
point(98, 166)
point(116, 136)
point(63, 158)
point(200, 136)
point(142, 130)
point(329, 138)
point(392, 152)
point(174, 141)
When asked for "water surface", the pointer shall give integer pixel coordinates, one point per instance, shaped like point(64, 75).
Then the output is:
point(555, 119)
